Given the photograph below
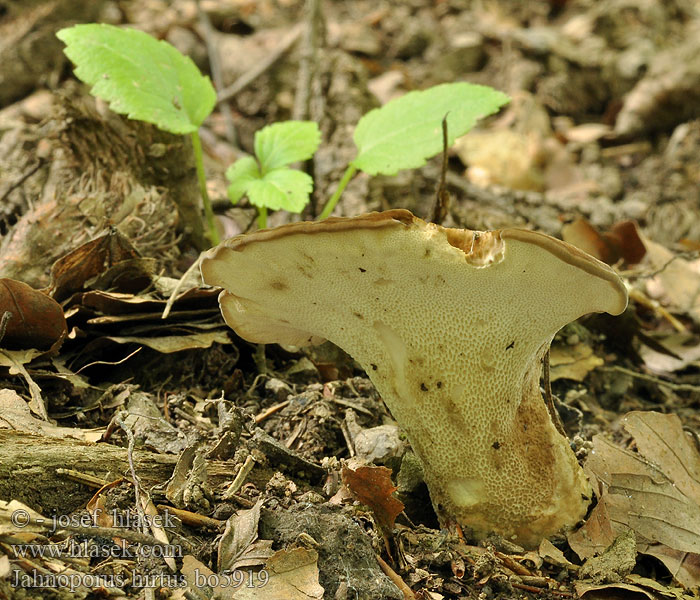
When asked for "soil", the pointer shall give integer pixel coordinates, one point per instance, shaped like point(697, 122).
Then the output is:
point(247, 444)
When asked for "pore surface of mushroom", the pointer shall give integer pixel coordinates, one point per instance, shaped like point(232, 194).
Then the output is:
point(451, 326)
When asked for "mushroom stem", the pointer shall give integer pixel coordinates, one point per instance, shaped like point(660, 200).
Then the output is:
point(451, 326)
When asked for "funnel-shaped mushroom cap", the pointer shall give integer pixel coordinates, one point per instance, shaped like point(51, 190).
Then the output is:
point(450, 325)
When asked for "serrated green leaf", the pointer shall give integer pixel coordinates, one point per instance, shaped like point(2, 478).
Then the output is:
point(241, 174)
point(286, 189)
point(407, 131)
point(280, 144)
point(146, 79)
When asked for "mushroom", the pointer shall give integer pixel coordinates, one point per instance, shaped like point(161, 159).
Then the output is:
point(451, 326)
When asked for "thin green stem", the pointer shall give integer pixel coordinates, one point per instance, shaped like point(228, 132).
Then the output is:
point(208, 211)
point(330, 205)
point(262, 217)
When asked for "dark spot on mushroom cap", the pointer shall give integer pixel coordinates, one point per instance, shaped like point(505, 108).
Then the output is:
point(278, 285)
point(358, 315)
point(496, 445)
point(511, 345)
point(362, 270)
point(374, 367)
point(424, 387)
point(439, 384)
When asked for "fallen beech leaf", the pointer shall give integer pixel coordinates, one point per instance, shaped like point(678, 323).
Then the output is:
point(291, 574)
point(572, 362)
point(653, 492)
point(677, 281)
point(660, 438)
point(622, 241)
point(16, 415)
point(240, 534)
point(70, 272)
point(37, 320)
point(373, 487)
point(683, 566)
point(680, 351)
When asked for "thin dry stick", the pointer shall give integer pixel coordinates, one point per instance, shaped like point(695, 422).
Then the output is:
point(250, 76)
point(84, 478)
point(395, 579)
point(677, 387)
point(6, 316)
point(308, 62)
point(259, 418)
point(119, 420)
point(548, 400)
point(240, 478)
point(216, 71)
point(173, 296)
point(442, 196)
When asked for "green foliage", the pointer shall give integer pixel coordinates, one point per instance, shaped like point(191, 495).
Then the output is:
point(407, 131)
point(141, 77)
point(266, 179)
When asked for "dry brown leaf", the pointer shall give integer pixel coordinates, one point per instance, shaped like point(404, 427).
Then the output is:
point(683, 566)
point(653, 492)
point(677, 281)
point(16, 415)
point(240, 533)
point(622, 241)
point(71, 272)
point(289, 574)
point(684, 345)
point(660, 438)
point(373, 487)
point(572, 362)
point(36, 320)
point(175, 343)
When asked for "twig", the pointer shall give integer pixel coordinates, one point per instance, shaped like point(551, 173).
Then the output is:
point(442, 196)
point(216, 71)
point(538, 590)
point(240, 478)
point(678, 387)
point(251, 75)
point(548, 400)
point(119, 420)
point(192, 519)
point(6, 316)
point(22, 178)
point(173, 296)
point(308, 61)
point(259, 418)
point(395, 579)
point(84, 478)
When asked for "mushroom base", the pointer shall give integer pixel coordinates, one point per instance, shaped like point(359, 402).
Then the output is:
point(525, 485)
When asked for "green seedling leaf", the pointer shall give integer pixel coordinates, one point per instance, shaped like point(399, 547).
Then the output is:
point(241, 174)
point(284, 188)
point(280, 144)
point(407, 131)
point(141, 77)
point(265, 178)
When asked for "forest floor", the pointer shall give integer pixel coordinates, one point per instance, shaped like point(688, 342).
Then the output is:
point(242, 451)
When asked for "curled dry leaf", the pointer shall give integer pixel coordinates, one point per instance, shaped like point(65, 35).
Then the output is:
point(373, 487)
point(37, 321)
point(621, 242)
point(655, 493)
point(94, 258)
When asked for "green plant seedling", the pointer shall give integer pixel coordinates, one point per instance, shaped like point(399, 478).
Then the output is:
point(266, 178)
point(407, 131)
point(147, 80)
